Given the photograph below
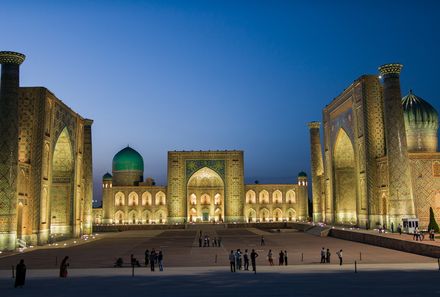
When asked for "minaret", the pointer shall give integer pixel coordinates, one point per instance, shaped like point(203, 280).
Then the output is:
point(399, 176)
point(303, 195)
point(317, 171)
point(9, 85)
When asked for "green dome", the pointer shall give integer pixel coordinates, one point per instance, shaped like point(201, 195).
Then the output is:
point(418, 113)
point(302, 174)
point(128, 160)
point(107, 176)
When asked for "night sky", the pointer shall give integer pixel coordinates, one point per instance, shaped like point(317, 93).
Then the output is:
point(216, 75)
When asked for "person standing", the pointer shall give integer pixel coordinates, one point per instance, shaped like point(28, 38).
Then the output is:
point(63, 267)
point(20, 274)
point(160, 260)
point(285, 257)
point(238, 259)
point(339, 253)
point(246, 260)
point(281, 258)
point(219, 241)
point(147, 257)
point(323, 255)
point(152, 259)
point(327, 256)
point(262, 241)
point(392, 227)
point(270, 257)
point(232, 261)
point(399, 229)
point(200, 241)
point(254, 256)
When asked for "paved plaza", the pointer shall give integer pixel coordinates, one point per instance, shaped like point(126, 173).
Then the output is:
point(180, 248)
point(195, 271)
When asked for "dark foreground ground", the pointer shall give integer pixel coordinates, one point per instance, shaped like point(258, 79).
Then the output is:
point(218, 282)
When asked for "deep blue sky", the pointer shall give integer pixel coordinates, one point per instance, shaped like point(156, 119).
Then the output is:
point(200, 75)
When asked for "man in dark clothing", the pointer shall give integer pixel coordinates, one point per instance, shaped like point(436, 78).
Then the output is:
point(281, 258)
point(200, 241)
point(152, 259)
point(285, 258)
point(20, 274)
point(246, 260)
point(254, 256)
point(262, 241)
point(327, 256)
point(147, 257)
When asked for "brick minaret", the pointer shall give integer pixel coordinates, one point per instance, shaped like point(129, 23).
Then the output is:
point(10, 74)
point(399, 177)
point(317, 171)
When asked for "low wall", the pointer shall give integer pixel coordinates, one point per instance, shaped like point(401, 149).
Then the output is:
point(386, 242)
point(120, 228)
point(273, 225)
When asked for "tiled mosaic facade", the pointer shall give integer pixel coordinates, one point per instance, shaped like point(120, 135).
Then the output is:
point(370, 177)
point(52, 165)
point(203, 186)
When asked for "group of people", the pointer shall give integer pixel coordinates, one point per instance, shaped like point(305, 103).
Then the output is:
point(154, 258)
point(239, 260)
point(282, 258)
point(20, 272)
point(325, 256)
point(205, 241)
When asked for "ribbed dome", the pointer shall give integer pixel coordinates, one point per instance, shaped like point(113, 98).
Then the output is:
point(128, 160)
point(302, 174)
point(107, 176)
point(419, 113)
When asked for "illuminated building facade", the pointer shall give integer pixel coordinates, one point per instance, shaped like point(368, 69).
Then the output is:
point(45, 164)
point(203, 186)
point(380, 161)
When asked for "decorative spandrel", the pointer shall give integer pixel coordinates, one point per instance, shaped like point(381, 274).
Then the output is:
point(193, 165)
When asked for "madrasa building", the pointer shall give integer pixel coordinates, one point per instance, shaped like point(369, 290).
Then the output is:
point(380, 163)
point(203, 186)
point(45, 164)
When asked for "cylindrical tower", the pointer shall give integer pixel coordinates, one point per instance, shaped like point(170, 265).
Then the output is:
point(10, 76)
point(399, 175)
point(317, 171)
point(108, 203)
point(303, 196)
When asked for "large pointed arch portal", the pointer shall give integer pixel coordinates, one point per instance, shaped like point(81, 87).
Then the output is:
point(61, 192)
point(205, 196)
point(345, 181)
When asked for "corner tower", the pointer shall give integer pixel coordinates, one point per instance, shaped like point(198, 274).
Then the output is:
point(399, 176)
point(10, 77)
point(317, 171)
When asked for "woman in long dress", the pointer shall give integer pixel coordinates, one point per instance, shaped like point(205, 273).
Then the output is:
point(20, 274)
point(63, 267)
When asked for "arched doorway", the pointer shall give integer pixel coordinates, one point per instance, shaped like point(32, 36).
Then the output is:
point(252, 215)
point(277, 215)
point(345, 179)
point(209, 186)
point(61, 192)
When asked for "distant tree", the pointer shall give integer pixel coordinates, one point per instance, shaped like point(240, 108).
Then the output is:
point(432, 223)
point(256, 182)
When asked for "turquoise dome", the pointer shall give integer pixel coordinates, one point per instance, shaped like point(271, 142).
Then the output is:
point(418, 113)
point(107, 176)
point(128, 159)
point(302, 174)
